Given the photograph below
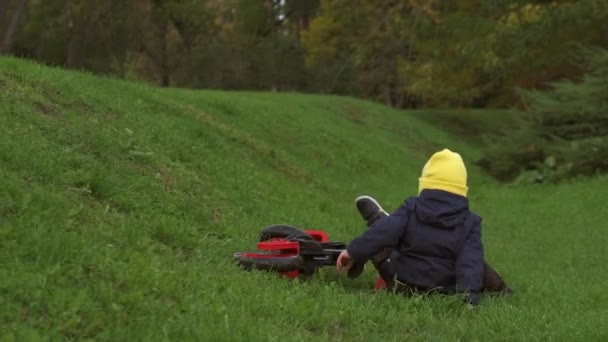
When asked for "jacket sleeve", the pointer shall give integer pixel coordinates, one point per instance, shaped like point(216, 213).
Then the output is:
point(386, 232)
point(470, 264)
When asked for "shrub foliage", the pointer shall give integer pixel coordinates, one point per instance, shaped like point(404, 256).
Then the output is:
point(565, 129)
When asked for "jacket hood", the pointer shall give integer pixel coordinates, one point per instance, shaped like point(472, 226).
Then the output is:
point(441, 209)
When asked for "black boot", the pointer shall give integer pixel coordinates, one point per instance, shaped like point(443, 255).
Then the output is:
point(369, 209)
point(493, 282)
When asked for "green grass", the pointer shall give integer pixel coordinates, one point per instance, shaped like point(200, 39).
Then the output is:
point(121, 206)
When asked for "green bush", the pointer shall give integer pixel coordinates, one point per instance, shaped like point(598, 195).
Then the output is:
point(566, 134)
point(506, 156)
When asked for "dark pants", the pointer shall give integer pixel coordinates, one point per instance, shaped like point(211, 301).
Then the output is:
point(492, 282)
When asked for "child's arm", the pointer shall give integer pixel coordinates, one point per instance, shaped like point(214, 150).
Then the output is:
point(469, 265)
point(385, 232)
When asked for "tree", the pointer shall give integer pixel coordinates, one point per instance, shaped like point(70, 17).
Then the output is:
point(3, 9)
point(461, 53)
point(299, 14)
point(7, 41)
point(566, 129)
point(404, 53)
point(373, 37)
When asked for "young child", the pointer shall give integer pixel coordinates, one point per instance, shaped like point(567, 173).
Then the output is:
point(432, 242)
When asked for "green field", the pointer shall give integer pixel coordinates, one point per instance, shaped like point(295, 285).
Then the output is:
point(121, 206)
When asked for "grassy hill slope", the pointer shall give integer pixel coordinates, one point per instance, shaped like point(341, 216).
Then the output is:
point(121, 206)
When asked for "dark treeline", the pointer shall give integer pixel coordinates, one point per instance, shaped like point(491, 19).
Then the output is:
point(405, 53)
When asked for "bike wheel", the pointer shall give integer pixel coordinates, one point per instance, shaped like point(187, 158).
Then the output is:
point(269, 262)
point(283, 231)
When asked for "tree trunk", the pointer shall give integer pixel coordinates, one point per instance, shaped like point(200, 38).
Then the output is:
point(164, 57)
point(270, 19)
point(7, 43)
point(70, 36)
point(92, 13)
point(3, 5)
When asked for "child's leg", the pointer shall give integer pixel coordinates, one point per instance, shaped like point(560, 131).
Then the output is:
point(382, 263)
point(371, 211)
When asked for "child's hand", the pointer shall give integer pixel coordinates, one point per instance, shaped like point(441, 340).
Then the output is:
point(344, 261)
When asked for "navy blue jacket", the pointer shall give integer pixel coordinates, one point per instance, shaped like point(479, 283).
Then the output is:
point(436, 240)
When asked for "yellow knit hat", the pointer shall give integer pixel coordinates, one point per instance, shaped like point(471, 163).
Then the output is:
point(445, 171)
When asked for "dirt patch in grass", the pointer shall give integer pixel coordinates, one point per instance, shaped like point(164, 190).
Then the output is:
point(45, 97)
point(354, 114)
point(46, 108)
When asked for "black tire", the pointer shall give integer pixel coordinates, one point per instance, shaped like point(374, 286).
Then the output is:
point(278, 264)
point(283, 231)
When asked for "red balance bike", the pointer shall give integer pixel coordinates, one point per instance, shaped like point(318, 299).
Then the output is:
point(292, 252)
